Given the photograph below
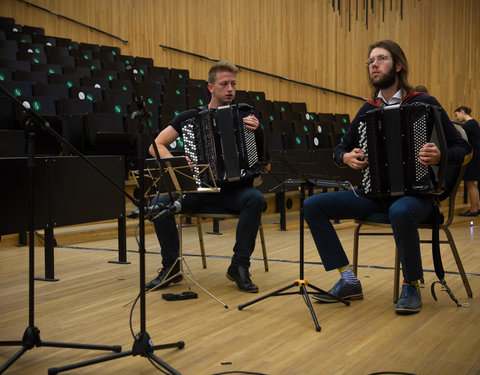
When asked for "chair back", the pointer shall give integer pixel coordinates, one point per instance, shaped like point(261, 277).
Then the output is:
point(453, 177)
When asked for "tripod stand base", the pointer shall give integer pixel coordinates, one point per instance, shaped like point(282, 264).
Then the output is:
point(142, 346)
point(31, 339)
point(302, 284)
point(169, 277)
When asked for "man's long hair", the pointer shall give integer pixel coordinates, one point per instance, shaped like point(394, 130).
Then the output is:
point(398, 57)
point(221, 66)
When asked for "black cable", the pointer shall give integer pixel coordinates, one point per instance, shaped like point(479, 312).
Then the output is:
point(392, 372)
point(156, 366)
point(240, 372)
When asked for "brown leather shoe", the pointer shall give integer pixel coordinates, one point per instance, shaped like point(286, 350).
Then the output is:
point(241, 276)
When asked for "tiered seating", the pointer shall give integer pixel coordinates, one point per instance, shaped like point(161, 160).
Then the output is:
point(95, 89)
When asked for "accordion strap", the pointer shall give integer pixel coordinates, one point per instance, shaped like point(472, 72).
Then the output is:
point(437, 257)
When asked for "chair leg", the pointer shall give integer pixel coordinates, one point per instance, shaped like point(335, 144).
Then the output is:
point(356, 239)
point(461, 270)
point(200, 240)
point(264, 249)
point(396, 277)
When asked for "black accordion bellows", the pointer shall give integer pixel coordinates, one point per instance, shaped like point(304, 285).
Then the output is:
point(392, 137)
point(219, 138)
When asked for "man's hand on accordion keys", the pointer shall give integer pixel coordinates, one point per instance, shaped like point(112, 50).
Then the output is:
point(429, 154)
point(355, 159)
point(251, 122)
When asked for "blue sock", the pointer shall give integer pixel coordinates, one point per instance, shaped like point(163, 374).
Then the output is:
point(347, 275)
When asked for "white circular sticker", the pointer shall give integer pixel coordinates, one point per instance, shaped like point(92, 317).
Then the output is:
point(81, 95)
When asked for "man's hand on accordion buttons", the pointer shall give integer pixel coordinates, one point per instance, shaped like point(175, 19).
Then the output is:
point(251, 122)
point(355, 159)
point(429, 154)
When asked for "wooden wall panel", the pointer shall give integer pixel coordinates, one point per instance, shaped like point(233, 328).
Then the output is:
point(305, 40)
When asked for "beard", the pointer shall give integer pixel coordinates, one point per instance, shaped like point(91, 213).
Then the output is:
point(386, 80)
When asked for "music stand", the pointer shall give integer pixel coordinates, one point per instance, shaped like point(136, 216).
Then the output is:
point(301, 282)
point(177, 176)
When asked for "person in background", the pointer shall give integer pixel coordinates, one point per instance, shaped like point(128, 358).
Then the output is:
point(472, 172)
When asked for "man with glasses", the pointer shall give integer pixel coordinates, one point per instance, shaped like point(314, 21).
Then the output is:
point(387, 69)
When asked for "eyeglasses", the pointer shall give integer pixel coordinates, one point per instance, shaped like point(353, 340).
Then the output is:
point(380, 60)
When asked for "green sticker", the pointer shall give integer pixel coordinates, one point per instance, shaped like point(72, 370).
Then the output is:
point(150, 123)
point(344, 120)
point(305, 128)
point(176, 113)
point(178, 92)
point(36, 106)
point(2, 77)
point(90, 97)
point(257, 97)
point(298, 140)
point(36, 60)
point(17, 92)
point(69, 84)
point(200, 101)
point(51, 71)
point(85, 57)
point(282, 108)
point(114, 53)
point(117, 108)
point(124, 88)
point(150, 101)
point(180, 142)
point(110, 77)
point(272, 118)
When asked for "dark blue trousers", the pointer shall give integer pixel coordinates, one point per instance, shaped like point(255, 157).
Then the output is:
point(404, 213)
point(246, 201)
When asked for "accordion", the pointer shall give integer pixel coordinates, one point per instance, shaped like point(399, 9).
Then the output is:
point(391, 137)
point(219, 138)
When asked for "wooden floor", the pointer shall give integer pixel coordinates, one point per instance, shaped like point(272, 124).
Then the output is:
point(274, 336)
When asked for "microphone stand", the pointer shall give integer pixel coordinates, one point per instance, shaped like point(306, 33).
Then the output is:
point(142, 344)
point(301, 282)
point(31, 337)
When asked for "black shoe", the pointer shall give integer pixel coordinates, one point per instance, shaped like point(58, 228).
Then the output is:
point(241, 276)
point(469, 213)
point(341, 290)
point(162, 276)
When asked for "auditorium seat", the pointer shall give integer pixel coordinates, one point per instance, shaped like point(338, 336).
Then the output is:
point(102, 127)
point(65, 42)
point(45, 40)
point(9, 45)
point(31, 48)
point(241, 96)
point(118, 94)
point(91, 64)
point(55, 90)
point(74, 106)
point(111, 106)
point(74, 131)
point(86, 92)
point(32, 58)
point(175, 95)
point(290, 115)
point(18, 88)
point(33, 77)
point(299, 107)
point(303, 127)
point(281, 106)
point(296, 141)
point(57, 51)
point(159, 71)
point(43, 105)
point(281, 126)
point(110, 49)
point(13, 65)
point(46, 68)
point(61, 60)
point(198, 96)
point(319, 140)
point(81, 54)
point(110, 74)
point(89, 47)
point(256, 96)
point(104, 56)
point(19, 37)
point(67, 79)
point(9, 54)
point(5, 74)
point(94, 81)
point(77, 71)
point(33, 30)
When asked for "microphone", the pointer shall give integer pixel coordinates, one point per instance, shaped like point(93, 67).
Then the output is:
point(171, 209)
point(149, 210)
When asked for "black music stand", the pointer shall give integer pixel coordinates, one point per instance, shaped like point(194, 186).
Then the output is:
point(143, 344)
point(174, 174)
point(31, 337)
point(301, 282)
